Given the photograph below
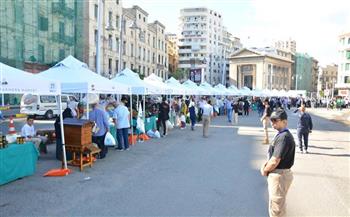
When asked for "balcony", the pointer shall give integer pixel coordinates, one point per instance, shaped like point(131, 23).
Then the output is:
point(68, 40)
point(62, 9)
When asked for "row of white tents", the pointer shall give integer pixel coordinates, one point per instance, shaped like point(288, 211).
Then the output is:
point(74, 76)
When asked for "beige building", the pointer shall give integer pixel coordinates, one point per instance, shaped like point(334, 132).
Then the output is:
point(288, 45)
point(329, 76)
point(266, 68)
point(143, 44)
point(314, 75)
point(173, 52)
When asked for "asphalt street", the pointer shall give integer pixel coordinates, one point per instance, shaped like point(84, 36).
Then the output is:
point(185, 174)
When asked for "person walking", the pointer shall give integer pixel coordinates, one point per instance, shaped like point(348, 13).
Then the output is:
point(192, 110)
point(228, 105)
point(281, 155)
point(265, 119)
point(235, 111)
point(207, 114)
point(163, 115)
point(304, 127)
point(121, 119)
point(102, 127)
point(246, 107)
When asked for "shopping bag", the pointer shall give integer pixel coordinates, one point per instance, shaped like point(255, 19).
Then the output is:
point(109, 140)
point(169, 125)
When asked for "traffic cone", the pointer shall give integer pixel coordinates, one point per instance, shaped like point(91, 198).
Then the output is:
point(12, 129)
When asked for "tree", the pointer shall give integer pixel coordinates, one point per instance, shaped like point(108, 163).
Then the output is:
point(179, 74)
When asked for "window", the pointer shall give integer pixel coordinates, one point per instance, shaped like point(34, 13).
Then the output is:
point(41, 55)
point(139, 70)
point(144, 54)
point(110, 42)
point(96, 11)
point(348, 40)
point(144, 19)
point(109, 65)
point(348, 54)
point(96, 36)
point(116, 66)
point(117, 43)
point(47, 99)
point(110, 14)
point(61, 54)
point(124, 65)
point(117, 1)
point(140, 53)
point(18, 13)
point(61, 31)
point(43, 23)
point(140, 16)
point(132, 49)
point(124, 50)
point(132, 66)
point(117, 20)
point(347, 66)
point(144, 70)
point(19, 49)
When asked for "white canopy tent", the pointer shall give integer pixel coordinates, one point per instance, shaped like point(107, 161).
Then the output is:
point(75, 77)
point(234, 90)
point(245, 91)
point(133, 80)
point(206, 86)
point(195, 90)
point(177, 88)
point(223, 90)
point(15, 81)
point(158, 84)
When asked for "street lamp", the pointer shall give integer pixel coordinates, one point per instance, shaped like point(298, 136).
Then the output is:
point(297, 77)
point(134, 27)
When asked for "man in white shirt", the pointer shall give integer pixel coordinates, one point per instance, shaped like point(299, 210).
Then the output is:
point(28, 131)
point(207, 113)
point(121, 118)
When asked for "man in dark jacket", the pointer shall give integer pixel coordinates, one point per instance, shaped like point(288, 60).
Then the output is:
point(304, 127)
point(163, 116)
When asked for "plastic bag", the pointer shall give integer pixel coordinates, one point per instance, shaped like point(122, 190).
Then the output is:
point(169, 125)
point(109, 140)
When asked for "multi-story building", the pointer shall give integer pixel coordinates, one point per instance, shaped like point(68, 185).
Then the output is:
point(266, 68)
point(201, 43)
point(231, 44)
point(288, 45)
point(173, 52)
point(328, 76)
point(314, 76)
point(35, 35)
point(142, 44)
point(343, 81)
point(303, 69)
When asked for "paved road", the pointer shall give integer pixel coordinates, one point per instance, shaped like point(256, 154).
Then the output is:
point(185, 174)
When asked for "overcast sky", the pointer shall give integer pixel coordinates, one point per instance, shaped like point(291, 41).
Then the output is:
point(315, 25)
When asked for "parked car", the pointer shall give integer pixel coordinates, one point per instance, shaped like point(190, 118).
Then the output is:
point(43, 105)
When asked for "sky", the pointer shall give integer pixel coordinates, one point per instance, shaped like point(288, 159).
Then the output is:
point(314, 25)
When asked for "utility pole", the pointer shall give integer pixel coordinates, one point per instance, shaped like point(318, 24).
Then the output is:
point(99, 28)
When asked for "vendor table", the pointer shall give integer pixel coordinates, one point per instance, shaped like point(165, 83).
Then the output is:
point(17, 161)
point(150, 123)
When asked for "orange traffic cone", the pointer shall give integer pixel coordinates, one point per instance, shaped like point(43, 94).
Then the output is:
point(12, 129)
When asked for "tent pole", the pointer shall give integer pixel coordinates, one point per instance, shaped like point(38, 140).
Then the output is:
point(62, 132)
point(132, 128)
point(144, 108)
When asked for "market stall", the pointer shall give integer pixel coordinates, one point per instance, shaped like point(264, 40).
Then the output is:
point(19, 160)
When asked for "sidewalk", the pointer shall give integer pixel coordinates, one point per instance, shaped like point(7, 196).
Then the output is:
point(342, 116)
